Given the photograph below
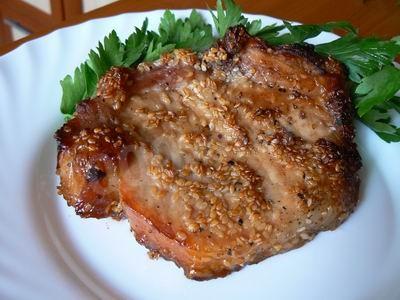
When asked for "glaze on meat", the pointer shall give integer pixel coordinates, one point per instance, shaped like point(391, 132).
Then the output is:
point(219, 159)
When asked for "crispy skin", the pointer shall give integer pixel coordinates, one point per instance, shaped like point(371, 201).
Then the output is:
point(218, 160)
point(88, 179)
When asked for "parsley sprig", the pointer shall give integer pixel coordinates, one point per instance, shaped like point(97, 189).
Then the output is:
point(369, 60)
point(141, 45)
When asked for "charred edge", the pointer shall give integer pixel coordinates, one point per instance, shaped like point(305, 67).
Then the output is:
point(93, 107)
point(234, 40)
point(112, 83)
point(346, 152)
point(64, 136)
point(237, 37)
point(168, 255)
point(307, 52)
point(262, 255)
point(352, 162)
point(96, 208)
point(94, 174)
point(97, 205)
point(343, 112)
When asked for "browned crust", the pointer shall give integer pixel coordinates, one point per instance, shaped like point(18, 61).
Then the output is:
point(338, 104)
point(156, 239)
point(95, 175)
point(83, 151)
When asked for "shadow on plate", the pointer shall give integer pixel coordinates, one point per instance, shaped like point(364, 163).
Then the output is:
point(61, 248)
point(50, 230)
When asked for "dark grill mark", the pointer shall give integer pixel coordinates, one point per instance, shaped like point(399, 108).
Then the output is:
point(94, 174)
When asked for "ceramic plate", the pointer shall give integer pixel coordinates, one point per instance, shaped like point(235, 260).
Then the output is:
point(47, 252)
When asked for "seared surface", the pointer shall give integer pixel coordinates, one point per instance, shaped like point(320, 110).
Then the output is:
point(218, 160)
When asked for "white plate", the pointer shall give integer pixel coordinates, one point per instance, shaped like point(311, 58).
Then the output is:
point(47, 252)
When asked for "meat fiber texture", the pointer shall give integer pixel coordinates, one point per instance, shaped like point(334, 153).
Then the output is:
point(218, 159)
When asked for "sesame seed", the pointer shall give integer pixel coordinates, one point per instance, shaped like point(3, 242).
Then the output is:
point(218, 145)
point(181, 236)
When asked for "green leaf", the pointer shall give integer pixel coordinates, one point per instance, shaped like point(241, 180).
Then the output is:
point(68, 91)
point(390, 137)
point(228, 17)
point(191, 33)
point(107, 55)
point(135, 45)
point(232, 16)
point(196, 20)
point(300, 33)
point(368, 60)
point(167, 26)
point(393, 103)
point(97, 64)
point(113, 50)
point(90, 80)
point(379, 122)
point(270, 31)
point(155, 50)
point(201, 37)
point(362, 56)
point(80, 87)
point(267, 32)
point(83, 84)
point(377, 88)
point(67, 117)
point(253, 27)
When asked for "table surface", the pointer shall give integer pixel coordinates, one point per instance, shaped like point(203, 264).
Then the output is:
point(372, 17)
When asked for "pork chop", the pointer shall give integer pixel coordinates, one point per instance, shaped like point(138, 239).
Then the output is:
point(218, 159)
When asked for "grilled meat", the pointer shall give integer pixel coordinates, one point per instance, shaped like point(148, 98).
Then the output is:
point(218, 159)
